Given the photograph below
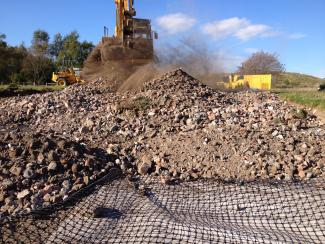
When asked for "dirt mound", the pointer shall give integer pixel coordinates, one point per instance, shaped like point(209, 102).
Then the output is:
point(174, 128)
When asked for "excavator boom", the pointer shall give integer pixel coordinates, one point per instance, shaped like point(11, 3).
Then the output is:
point(124, 10)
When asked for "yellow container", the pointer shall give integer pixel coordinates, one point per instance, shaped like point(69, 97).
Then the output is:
point(259, 82)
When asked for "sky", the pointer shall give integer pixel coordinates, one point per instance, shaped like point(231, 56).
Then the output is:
point(231, 29)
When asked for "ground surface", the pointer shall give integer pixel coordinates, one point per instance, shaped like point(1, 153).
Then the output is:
point(174, 128)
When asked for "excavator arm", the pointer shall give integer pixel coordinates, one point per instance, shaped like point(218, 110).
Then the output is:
point(124, 15)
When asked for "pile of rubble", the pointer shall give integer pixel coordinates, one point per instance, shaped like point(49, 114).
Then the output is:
point(174, 128)
point(38, 169)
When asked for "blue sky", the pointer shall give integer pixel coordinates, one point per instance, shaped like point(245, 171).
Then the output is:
point(232, 29)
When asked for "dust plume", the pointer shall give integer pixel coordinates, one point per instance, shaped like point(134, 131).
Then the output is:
point(194, 56)
point(190, 54)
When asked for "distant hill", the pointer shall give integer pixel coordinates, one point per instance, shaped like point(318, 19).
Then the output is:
point(296, 80)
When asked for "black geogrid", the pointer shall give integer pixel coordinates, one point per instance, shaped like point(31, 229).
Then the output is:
point(192, 212)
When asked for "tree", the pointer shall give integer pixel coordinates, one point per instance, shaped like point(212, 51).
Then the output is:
point(37, 69)
point(2, 40)
point(56, 46)
point(69, 53)
point(85, 49)
point(261, 63)
point(40, 42)
point(74, 53)
point(11, 59)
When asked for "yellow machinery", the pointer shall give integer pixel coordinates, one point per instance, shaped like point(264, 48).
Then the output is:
point(133, 38)
point(67, 77)
point(259, 82)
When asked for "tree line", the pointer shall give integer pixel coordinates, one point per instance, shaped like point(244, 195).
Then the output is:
point(35, 64)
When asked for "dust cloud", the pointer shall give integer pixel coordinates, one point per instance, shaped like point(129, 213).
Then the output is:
point(190, 54)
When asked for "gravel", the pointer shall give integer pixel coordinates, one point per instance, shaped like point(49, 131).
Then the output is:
point(174, 128)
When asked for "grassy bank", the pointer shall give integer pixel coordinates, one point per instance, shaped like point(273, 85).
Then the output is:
point(300, 89)
point(310, 98)
point(10, 90)
point(295, 81)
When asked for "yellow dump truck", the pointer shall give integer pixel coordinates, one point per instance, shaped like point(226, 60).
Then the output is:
point(259, 82)
point(67, 77)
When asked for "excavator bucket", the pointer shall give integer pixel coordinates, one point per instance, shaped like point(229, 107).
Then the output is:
point(136, 48)
point(133, 39)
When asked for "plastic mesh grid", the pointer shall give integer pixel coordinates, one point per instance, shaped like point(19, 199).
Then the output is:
point(115, 211)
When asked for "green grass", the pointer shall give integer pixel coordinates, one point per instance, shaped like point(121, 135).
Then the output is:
point(309, 98)
point(13, 90)
point(300, 89)
point(42, 88)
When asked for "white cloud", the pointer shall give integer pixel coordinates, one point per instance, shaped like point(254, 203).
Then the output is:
point(296, 36)
point(252, 31)
point(222, 28)
point(240, 28)
point(175, 23)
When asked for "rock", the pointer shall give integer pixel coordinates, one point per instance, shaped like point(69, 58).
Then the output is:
point(52, 156)
point(301, 172)
point(211, 116)
point(152, 113)
point(275, 133)
point(56, 198)
point(14, 153)
point(74, 168)
point(61, 144)
point(165, 179)
point(40, 157)
point(7, 184)
point(9, 199)
point(309, 175)
point(23, 194)
point(84, 129)
point(86, 180)
point(89, 123)
point(143, 168)
point(189, 122)
point(145, 165)
point(52, 166)
point(114, 128)
point(47, 197)
point(15, 170)
point(29, 173)
point(66, 184)
point(63, 162)
point(299, 158)
point(77, 187)
point(2, 197)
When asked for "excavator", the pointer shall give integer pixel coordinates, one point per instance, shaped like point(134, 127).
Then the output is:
point(133, 38)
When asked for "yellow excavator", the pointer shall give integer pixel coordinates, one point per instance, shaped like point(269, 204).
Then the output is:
point(133, 38)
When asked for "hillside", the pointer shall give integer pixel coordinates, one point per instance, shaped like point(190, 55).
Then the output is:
point(296, 80)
